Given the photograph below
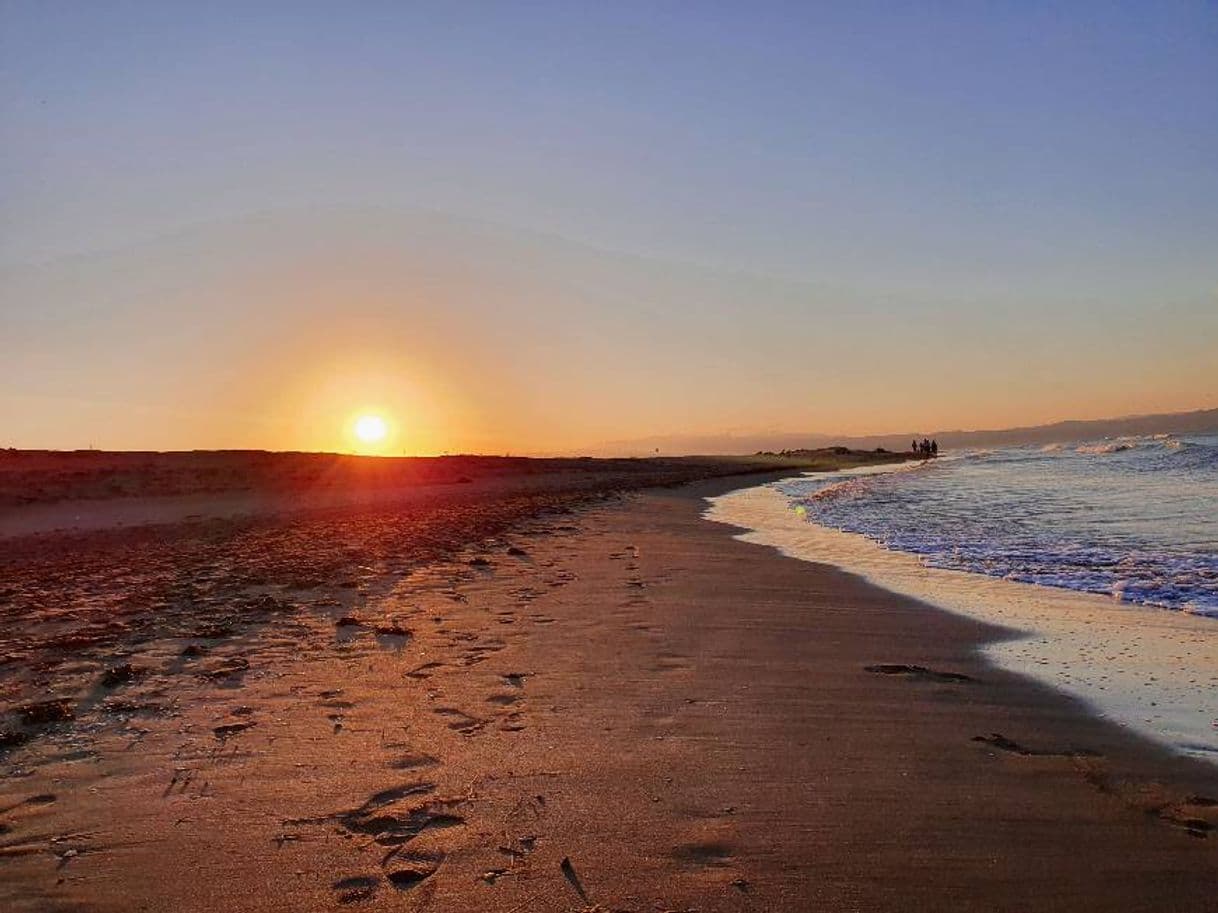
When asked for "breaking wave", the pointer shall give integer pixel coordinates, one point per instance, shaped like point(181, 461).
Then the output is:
point(1139, 525)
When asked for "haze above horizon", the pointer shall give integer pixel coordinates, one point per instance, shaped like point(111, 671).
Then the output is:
point(538, 228)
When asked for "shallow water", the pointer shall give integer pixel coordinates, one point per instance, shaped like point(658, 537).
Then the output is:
point(1132, 518)
point(1152, 669)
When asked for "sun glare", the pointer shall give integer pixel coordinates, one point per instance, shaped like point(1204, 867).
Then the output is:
point(371, 429)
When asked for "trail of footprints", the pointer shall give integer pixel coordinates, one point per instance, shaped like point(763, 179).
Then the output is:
point(397, 820)
point(1195, 815)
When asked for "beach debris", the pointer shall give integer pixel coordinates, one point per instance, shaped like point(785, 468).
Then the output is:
point(1002, 743)
point(214, 631)
point(229, 729)
point(568, 871)
point(917, 672)
point(392, 629)
point(525, 847)
point(412, 762)
point(120, 674)
point(11, 738)
point(54, 711)
point(232, 667)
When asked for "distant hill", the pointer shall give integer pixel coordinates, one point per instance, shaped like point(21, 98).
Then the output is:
point(1200, 421)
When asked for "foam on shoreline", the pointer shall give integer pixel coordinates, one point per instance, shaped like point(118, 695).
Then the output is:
point(1151, 670)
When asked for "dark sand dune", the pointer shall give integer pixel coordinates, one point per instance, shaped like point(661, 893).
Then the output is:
point(619, 708)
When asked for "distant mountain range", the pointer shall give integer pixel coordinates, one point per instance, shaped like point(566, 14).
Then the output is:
point(1200, 421)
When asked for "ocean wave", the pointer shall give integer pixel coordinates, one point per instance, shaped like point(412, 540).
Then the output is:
point(1141, 529)
point(844, 487)
point(1106, 447)
point(1128, 442)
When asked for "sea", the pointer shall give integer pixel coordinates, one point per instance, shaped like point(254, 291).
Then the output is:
point(1101, 556)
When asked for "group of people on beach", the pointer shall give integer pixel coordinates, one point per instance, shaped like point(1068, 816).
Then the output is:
point(928, 448)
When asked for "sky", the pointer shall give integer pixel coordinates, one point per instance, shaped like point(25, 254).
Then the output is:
point(537, 227)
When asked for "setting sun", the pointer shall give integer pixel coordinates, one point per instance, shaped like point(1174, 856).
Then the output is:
point(371, 429)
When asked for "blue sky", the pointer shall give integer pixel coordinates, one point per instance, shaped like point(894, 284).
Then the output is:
point(939, 162)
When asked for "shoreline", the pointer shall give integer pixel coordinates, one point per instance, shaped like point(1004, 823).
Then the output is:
point(1129, 662)
point(622, 706)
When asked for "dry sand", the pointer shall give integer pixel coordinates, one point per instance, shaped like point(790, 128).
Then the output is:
point(621, 708)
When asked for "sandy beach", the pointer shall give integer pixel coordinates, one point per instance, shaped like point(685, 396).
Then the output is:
point(588, 705)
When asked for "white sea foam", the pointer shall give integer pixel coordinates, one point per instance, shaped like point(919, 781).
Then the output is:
point(1105, 447)
point(1121, 444)
point(1151, 670)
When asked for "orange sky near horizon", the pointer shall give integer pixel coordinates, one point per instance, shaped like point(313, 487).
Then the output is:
point(469, 339)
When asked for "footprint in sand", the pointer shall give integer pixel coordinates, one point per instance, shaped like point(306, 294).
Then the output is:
point(917, 672)
point(356, 888)
point(710, 854)
point(460, 721)
point(227, 731)
point(672, 662)
point(413, 762)
point(1196, 815)
point(503, 699)
point(522, 848)
point(479, 652)
point(1002, 743)
point(394, 817)
point(424, 671)
point(409, 870)
point(513, 722)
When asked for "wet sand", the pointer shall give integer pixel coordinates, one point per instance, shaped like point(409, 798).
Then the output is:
point(618, 708)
